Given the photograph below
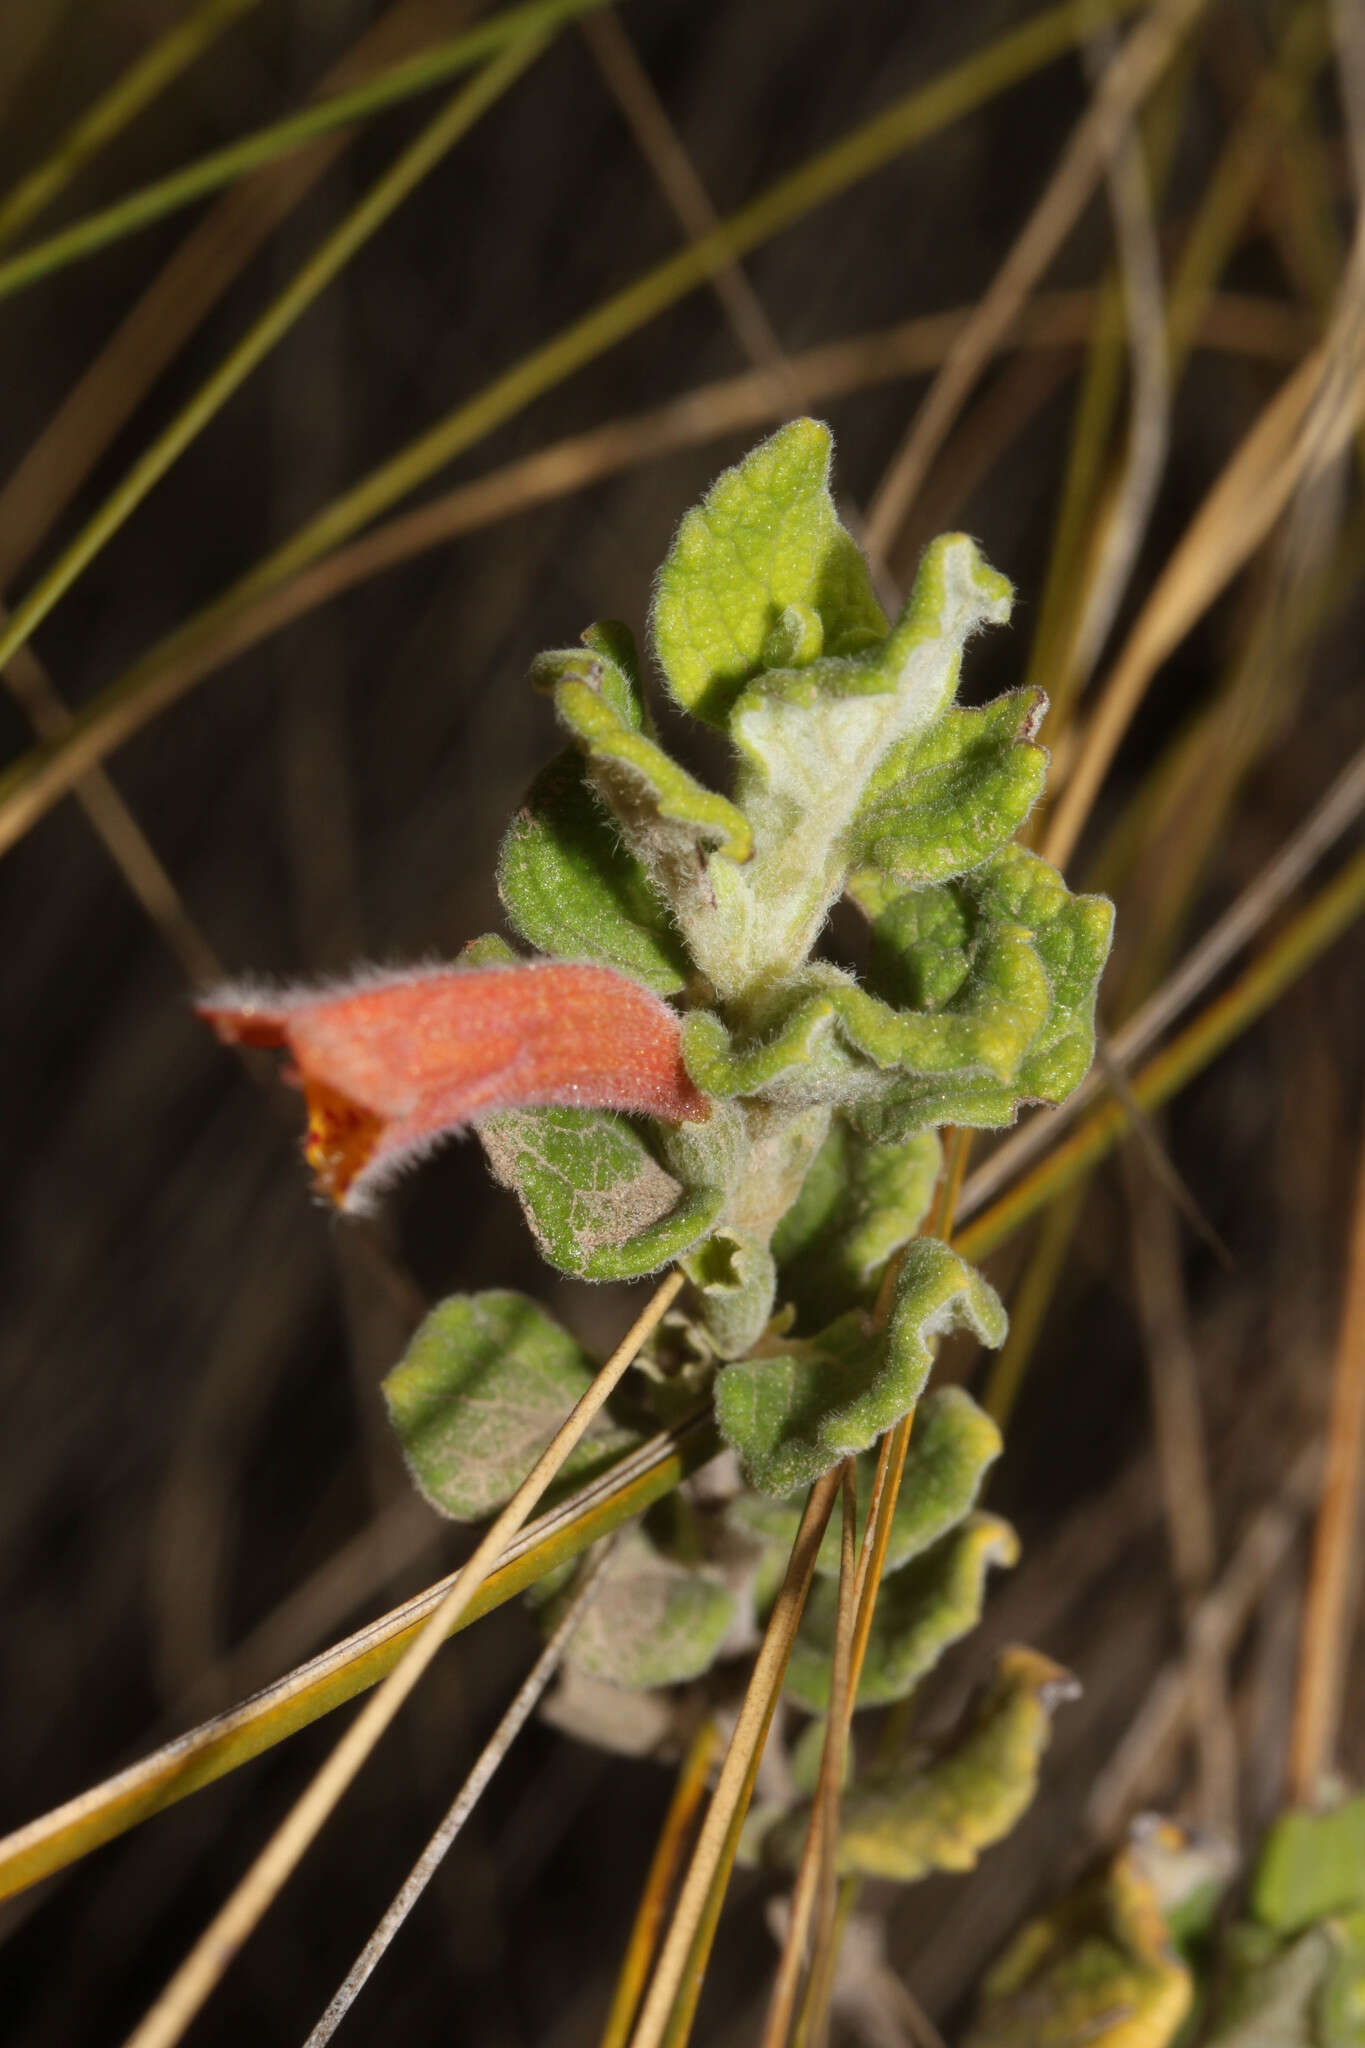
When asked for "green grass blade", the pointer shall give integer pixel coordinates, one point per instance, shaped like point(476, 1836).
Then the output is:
point(454, 120)
point(139, 85)
point(210, 173)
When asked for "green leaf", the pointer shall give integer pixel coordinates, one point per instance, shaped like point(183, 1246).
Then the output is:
point(939, 1813)
point(929, 1604)
point(858, 1205)
point(482, 1387)
point(943, 801)
point(809, 739)
point(929, 938)
point(1098, 1971)
point(1312, 1865)
point(1272, 1992)
point(952, 1443)
point(571, 888)
point(761, 574)
point(598, 1202)
point(794, 1416)
point(664, 812)
point(654, 1622)
point(735, 1280)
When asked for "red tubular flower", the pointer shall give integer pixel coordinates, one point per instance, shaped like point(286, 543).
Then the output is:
point(398, 1061)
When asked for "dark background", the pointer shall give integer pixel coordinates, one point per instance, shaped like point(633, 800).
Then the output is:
point(189, 1421)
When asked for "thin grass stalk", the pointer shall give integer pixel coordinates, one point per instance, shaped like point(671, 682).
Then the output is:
point(1030, 1303)
point(222, 167)
point(676, 1984)
point(29, 783)
point(649, 1914)
point(815, 1874)
point(1325, 1642)
point(211, 1954)
point(111, 114)
point(523, 1702)
point(455, 120)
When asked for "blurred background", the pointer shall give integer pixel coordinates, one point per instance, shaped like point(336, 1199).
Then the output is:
point(197, 1485)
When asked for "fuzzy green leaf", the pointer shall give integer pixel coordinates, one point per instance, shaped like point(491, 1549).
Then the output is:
point(1099, 1971)
point(598, 1202)
point(654, 1622)
point(571, 888)
point(929, 1604)
point(858, 1205)
point(943, 801)
point(664, 812)
point(791, 726)
point(792, 1417)
point(929, 947)
point(1312, 1865)
point(483, 1386)
point(761, 575)
point(940, 1812)
point(951, 1446)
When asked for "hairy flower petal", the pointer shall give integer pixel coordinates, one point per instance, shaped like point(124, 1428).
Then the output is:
point(397, 1061)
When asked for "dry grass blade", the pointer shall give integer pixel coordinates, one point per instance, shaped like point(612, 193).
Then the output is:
point(815, 1876)
point(663, 1869)
point(167, 671)
point(677, 1974)
point(454, 120)
point(1298, 437)
point(1182, 1461)
point(677, 178)
point(1238, 925)
point(1327, 1621)
point(1126, 516)
point(504, 1735)
point(1216, 1627)
point(1126, 84)
point(122, 104)
point(214, 1950)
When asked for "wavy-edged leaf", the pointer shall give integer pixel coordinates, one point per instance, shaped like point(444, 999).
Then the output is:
point(918, 955)
point(940, 1812)
point(483, 1386)
point(809, 739)
point(665, 813)
point(571, 888)
point(598, 1202)
point(654, 1621)
point(1099, 1971)
point(794, 1416)
point(859, 1203)
point(828, 1040)
point(760, 575)
point(929, 1604)
point(952, 1444)
point(941, 802)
